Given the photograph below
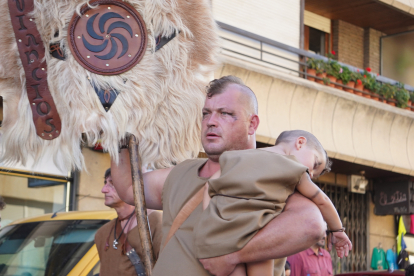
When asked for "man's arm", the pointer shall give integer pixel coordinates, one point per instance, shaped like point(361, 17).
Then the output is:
point(297, 228)
point(153, 182)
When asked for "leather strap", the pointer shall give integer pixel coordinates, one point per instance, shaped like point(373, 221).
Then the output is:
point(187, 209)
point(32, 55)
point(136, 262)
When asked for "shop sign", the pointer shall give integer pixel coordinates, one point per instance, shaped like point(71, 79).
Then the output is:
point(394, 198)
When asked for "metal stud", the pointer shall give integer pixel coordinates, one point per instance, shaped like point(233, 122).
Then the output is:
point(43, 69)
point(129, 55)
point(43, 134)
point(107, 35)
point(79, 36)
point(87, 15)
point(88, 56)
point(136, 35)
point(109, 8)
point(57, 131)
point(31, 61)
point(31, 19)
point(20, 40)
point(127, 16)
point(33, 104)
point(107, 64)
point(50, 135)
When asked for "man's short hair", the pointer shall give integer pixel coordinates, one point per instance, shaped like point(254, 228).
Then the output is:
point(291, 135)
point(107, 173)
point(2, 203)
point(217, 86)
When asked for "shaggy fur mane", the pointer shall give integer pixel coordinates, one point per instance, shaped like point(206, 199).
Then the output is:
point(160, 98)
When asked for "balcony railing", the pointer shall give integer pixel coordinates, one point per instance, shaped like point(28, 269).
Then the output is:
point(252, 47)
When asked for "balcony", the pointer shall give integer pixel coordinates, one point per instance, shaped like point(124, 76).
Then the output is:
point(351, 128)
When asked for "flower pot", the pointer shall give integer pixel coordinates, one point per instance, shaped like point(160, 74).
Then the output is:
point(384, 100)
point(320, 75)
point(368, 96)
point(311, 72)
point(359, 87)
point(408, 105)
point(390, 103)
point(351, 85)
point(332, 80)
point(375, 97)
point(337, 86)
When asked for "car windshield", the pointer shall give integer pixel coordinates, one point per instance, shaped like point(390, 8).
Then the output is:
point(45, 248)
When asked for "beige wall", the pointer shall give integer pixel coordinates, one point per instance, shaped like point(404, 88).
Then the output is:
point(381, 229)
point(277, 20)
point(89, 196)
point(24, 202)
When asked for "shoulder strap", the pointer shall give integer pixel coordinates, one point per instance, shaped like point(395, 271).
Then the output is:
point(187, 209)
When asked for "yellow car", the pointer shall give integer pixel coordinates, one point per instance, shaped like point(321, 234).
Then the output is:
point(52, 244)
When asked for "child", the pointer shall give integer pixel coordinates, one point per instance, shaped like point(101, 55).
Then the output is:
point(253, 188)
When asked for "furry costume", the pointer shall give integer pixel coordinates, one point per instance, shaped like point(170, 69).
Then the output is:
point(160, 98)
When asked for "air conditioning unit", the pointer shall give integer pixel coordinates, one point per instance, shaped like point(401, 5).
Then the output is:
point(357, 184)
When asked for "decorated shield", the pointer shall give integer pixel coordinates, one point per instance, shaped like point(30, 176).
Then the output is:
point(78, 71)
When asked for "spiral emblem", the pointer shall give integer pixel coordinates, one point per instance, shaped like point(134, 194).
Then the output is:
point(109, 39)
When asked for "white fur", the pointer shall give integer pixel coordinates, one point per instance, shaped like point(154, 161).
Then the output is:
point(160, 103)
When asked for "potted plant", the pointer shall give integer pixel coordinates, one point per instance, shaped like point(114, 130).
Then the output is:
point(312, 64)
point(401, 95)
point(357, 78)
point(387, 92)
point(320, 72)
point(332, 71)
point(369, 82)
point(412, 100)
point(375, 89)
point(345, 77)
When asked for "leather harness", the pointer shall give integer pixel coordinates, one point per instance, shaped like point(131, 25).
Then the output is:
point(32, 55)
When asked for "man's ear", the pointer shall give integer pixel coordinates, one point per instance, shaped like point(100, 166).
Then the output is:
point(254, 124)
point(300, 142)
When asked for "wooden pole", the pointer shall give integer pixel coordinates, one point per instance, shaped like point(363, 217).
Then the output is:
point(140, 210)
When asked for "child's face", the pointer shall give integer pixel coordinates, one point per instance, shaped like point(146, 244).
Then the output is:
point(311, 158)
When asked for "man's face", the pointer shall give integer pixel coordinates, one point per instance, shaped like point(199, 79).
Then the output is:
point(321, 242)
point(111, 196)
point(226, 124)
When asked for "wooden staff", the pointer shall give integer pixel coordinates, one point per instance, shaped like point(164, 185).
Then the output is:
point(140, 210)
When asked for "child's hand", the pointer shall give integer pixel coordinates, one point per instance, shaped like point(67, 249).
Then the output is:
point(341, 242)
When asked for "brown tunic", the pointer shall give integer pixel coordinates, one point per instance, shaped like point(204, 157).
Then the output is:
point(113, 262)
point(259, 183)
point(178, 256)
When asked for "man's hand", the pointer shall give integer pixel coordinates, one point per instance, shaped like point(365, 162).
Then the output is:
point(220, 266)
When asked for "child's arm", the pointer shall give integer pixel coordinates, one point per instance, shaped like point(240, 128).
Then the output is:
point(307, 188)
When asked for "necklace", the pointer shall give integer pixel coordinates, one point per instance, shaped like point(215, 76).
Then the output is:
point(117, 239)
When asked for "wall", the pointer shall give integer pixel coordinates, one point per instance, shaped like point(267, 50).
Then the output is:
point(24, 202)
point(89, 196)
point(348, 43)
point(277, 20)
point(372, 51)
point(381, 229)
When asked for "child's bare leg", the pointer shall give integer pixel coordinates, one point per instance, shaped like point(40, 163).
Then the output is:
point(240, 270)
point(264, 268)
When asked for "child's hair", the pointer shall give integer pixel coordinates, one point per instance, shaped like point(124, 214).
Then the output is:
point(291, 135)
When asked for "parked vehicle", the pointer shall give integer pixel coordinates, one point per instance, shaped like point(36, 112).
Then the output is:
point(52, 244)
